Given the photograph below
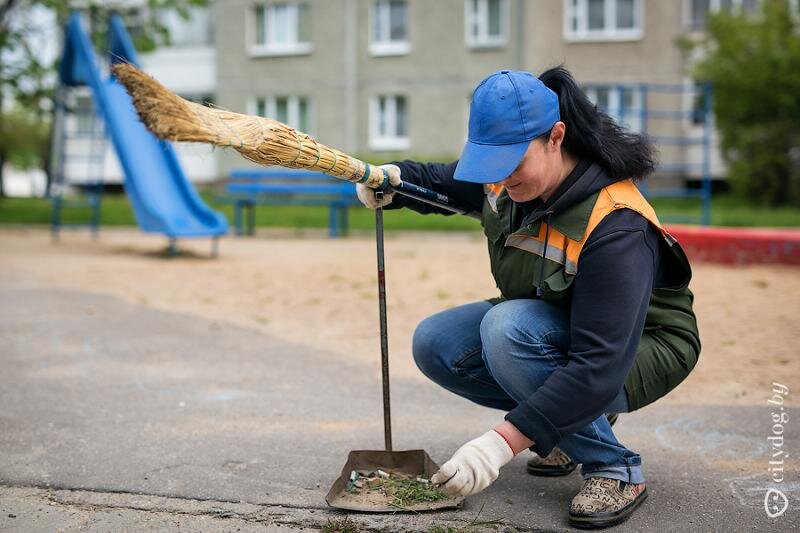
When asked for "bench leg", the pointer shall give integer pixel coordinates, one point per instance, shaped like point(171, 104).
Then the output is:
point(251, 219)
point(333, 229)
point(237, 217)
point(345, 222)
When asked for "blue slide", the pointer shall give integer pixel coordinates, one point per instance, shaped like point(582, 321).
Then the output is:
point(162, 198)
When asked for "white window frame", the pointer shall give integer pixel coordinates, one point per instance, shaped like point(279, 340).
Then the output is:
point(631, 121)
point(579, 10)
point(292, 109)
point(385, 46)
point(293, 46)
point(390, 141)
point(483, 39)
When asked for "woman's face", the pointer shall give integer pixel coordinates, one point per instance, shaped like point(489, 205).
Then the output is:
point(541, 170)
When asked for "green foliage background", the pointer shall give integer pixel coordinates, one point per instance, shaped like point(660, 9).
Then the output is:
point(753, 63)
point(28, 81)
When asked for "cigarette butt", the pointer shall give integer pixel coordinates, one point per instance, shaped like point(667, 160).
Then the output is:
point(353, 478)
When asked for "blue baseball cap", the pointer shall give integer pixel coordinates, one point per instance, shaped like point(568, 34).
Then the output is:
point(509, 109)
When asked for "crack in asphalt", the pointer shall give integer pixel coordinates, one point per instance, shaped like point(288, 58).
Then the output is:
point(268, 515)
point(94, 490)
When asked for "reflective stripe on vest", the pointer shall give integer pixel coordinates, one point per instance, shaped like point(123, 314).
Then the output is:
point(565, 251)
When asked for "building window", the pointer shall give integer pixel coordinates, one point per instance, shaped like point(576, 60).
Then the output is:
point(388, 123)
point(389, 28)
point(194, 30)
point(282, 29)
point(486, 23)
point(699, 10)
point(623, 104)
point(603, 20)
point(84, 116)
point(292, 110)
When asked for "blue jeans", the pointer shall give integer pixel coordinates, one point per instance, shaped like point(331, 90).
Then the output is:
point(497, 356)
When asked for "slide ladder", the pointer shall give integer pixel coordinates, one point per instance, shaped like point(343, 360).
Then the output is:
point(163, 199)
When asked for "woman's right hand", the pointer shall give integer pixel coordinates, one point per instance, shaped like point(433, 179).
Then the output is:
point(367, 195)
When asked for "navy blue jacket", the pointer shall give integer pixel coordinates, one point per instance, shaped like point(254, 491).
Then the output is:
point(611, 291)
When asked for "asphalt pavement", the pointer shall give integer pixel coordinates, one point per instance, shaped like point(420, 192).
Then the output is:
point(117, 416)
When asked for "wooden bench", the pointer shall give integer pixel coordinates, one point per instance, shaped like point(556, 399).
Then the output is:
point(249, 188)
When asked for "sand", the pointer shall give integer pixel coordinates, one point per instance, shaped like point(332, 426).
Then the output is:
point(304, 288)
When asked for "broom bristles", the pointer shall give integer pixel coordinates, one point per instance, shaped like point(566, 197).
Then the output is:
point(262, 140)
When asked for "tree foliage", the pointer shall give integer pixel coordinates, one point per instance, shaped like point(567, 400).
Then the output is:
point(24, 137)
point(753, 63)
point(23, 72)
point(28, 81)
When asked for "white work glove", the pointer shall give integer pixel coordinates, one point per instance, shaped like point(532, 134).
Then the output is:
point(474, 466)
point(367, 195)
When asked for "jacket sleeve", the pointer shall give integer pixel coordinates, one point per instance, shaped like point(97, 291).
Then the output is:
point(611, 293)
point(437, 177)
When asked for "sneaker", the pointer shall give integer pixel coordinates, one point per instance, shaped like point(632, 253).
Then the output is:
point(604, 502)
point(557, 463)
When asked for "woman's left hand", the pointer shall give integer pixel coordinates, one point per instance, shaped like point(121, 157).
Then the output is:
point(474, 466)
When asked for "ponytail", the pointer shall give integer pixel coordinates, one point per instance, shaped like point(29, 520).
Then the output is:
point(594, 135)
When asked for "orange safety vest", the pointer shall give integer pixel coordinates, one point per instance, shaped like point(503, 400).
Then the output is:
point(566, 251)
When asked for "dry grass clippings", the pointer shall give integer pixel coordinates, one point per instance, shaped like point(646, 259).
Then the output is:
point(402, 490)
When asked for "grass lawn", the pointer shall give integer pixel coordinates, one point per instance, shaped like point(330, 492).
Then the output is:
point(116, 211)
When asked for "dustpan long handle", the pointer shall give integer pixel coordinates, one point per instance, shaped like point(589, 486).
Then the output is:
point(387, 415)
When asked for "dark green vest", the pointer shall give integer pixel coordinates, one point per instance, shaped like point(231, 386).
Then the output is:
point(670, 343)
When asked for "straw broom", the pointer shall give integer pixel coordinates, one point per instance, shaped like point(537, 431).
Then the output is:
point(262, 140)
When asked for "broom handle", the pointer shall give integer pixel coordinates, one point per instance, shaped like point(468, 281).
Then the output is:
point(377, 178)
point(387, 411)
point(432, 197)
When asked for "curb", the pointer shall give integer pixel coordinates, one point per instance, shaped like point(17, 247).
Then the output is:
point(739, 246)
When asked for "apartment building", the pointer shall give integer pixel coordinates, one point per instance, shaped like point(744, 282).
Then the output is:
point(624, 53)
point(376, 78)
point(392, 78)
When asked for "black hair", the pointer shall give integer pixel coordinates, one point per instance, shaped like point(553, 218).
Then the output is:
point(593, 135)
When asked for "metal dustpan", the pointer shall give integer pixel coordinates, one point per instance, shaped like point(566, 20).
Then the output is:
point(409, 463)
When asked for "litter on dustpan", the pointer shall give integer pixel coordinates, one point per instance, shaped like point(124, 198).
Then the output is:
point(393, 489)
point(382, 481)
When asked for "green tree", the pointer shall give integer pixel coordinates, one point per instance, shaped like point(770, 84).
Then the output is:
point(753, 63)
point(28, 81)
point(25, 137)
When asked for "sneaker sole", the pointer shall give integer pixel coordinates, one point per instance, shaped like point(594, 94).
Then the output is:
point(602, 520)
point(551, 470)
